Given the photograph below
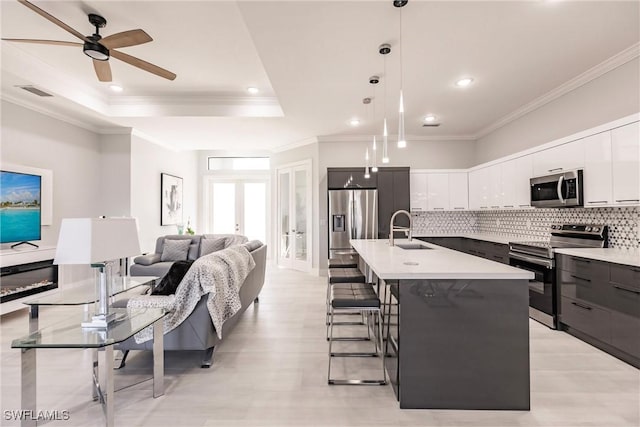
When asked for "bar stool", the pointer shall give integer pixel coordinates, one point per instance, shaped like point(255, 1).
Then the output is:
point(341, 275)
point(349, 262)
point(350, 297)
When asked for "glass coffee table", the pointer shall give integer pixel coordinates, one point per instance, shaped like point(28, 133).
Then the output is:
point(69, 334)
point(83, 293)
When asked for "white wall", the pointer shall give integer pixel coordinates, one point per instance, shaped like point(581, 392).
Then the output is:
point(607, 98)
point(148, 161)
point(115, 175)
point(72, 153)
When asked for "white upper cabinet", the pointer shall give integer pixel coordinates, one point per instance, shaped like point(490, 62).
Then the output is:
point(479, 189)
point(560, 158)
point(458, 191)
point(515, 182)
point(418, 191)
point(597, 170)
point(625, 150)
point(438, 191)
point(495, 186)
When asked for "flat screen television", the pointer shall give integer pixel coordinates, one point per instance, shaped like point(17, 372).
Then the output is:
point(20, 207)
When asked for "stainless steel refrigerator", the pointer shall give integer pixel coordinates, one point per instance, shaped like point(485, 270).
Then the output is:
point(353, 214)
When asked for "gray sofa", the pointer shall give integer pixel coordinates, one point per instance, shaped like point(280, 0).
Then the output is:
point(197, 331)
point(152, 264)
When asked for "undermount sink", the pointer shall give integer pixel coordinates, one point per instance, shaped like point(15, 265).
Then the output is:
point(411, 246)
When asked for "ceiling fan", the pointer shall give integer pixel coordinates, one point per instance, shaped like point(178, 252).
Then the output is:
point(101, 49)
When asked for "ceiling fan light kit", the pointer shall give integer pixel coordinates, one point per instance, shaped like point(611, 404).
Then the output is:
point(98, 48)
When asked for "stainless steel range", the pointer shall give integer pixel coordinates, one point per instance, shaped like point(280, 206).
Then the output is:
point(538, 257)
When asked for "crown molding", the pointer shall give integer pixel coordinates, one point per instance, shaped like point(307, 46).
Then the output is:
point(296, 144)
point(115, 130)
point(148, 138)
point(47, 112)
point(591, 74)
point(410, 138)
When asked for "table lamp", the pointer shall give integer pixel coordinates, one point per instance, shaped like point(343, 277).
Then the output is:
point(98, 242)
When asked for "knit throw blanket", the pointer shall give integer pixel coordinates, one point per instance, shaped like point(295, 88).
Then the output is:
point(220, 274)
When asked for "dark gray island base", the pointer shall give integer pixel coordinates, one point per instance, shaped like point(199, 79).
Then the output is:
point(458, 343)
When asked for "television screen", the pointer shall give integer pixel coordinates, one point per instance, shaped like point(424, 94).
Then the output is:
point(19, 207)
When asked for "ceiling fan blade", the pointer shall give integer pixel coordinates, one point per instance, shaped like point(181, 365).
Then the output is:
point(53, 42)
point(103, 70)
point(125, 39)
point(143, 65)
point(53, 19)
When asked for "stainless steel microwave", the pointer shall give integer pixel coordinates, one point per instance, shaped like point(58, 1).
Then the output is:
point(560, 190)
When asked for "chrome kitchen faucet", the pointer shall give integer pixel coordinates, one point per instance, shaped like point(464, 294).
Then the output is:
point(407, 230)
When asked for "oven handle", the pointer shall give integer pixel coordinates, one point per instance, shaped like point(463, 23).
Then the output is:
point(559, 189)
point(543, 262)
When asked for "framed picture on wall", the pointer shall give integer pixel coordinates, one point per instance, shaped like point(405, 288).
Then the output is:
point(170, 199)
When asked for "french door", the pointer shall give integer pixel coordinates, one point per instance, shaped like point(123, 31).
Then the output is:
point(294, 216)
point(238, 206)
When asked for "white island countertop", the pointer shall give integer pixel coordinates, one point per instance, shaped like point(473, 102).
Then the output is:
point(389, 262)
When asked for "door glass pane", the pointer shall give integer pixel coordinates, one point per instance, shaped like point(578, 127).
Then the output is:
point(301, 215)
point(285, 243)
point(224, 208)
point(255, 211)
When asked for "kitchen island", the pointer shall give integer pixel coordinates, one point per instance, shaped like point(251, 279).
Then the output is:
point(458, 326)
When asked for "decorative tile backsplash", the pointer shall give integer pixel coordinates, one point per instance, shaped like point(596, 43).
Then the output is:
point(624, 223)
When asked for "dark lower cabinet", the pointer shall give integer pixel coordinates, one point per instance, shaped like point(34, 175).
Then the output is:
point(497, 252)
point(601, 304)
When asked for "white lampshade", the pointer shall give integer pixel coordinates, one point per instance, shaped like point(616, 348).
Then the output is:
point(94, 240)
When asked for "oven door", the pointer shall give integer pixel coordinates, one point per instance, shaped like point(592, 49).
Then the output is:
point(542, 288)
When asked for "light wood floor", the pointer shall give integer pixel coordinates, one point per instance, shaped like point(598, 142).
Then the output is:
point(271, 371)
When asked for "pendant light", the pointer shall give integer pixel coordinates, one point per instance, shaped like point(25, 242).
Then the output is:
point(384, 50)
point(367, 175)
point(374, 80)
point(402, 142)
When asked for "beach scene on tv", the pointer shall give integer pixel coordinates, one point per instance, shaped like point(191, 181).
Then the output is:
point(19, 207)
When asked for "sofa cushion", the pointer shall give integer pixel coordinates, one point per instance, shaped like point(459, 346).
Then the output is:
point(172, 279)
point(158, 269)
point(210, 245)
point(147, 259)
point(231, 239)
point(175, 250)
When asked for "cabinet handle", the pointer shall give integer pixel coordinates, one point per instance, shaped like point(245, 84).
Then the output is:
point(581, 278)
point(582, 306)
point(498, 257)
point(586, 261)
point(483, 207)
point(599, 201)
point(482, 253)
point(553, 170)
point(625, 289)
point(635, 270)
point(416, 209)
point(457, 208)
point(438, 209)
point(525, 206)
point(508, 206)
point(628, 200)
point(495, 207)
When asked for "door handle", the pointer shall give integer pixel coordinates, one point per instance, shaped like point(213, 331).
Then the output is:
point(559, 189)
point(582, 306)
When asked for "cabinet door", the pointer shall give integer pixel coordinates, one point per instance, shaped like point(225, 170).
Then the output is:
point(438, 191)
point(418, 191)
point(495, 186)
point(597, 170)
point(521, 190)
point(625, 145)
point(479, 189)
point(458, 191)
point(562, 157)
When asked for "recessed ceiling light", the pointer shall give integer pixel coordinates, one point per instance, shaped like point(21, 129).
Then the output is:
point(116, 88)
point(430, 118)
point(253, 90)
point(354, 122)
point(464, 82)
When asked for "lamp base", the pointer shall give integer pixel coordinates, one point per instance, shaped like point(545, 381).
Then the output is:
point(99, 321)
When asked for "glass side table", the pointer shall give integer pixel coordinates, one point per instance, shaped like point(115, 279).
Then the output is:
point(83, 293)
point(69, 334)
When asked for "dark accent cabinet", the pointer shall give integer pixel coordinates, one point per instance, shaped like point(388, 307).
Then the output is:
point(393, 195)
point(337, 178)
point(600, 303)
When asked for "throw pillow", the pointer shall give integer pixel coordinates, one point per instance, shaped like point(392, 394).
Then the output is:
point(172, 279)
point(252, 245)
point(208, 246)
point(175, 250)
